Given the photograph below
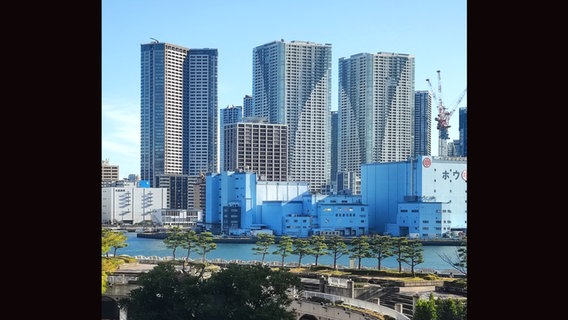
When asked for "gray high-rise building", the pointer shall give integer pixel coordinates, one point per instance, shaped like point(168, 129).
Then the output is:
point(178, 128)
point(178, 186)
point(463, 131)
point(162, 92)
point(334, 147)
point(376, 106)
point(231, 114)
point(247, 106)
point(422, 145)
point(201, 125)
point(256, 146)
point(292, 85)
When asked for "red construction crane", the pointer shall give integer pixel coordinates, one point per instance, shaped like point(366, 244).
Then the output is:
point(443, 116)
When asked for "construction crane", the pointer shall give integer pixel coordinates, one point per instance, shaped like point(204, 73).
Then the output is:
point(443, 116)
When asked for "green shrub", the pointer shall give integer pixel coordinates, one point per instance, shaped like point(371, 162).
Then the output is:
point(430, 276)
point(127, 259)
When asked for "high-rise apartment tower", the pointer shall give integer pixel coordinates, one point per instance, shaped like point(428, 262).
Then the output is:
point(201, 143)
point(178, 103)
point(422, 138)
point(334, 149)
point(376, 105)
point(231, 114)
point(256, 146)
point(463, 131)
point(292, 85)
point(247, 105)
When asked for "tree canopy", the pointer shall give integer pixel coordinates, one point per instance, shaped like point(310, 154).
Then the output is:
point(413, 254)
point(440, 309)
point(265, 240)
point(284, 247)
point(337, 248)
point(319, 247)
point(237, 292)
point(174, 239)
point(110, 239)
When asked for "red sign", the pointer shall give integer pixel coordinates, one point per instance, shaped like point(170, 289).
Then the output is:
point(426, 162)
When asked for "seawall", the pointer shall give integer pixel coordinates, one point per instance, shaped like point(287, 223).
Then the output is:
point(163, 235)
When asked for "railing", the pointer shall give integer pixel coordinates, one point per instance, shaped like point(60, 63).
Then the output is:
point(356, 303)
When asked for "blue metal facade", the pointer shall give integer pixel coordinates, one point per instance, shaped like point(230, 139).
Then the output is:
point(386, 186)
point(285, 207)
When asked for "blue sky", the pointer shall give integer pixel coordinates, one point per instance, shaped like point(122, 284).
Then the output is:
point(435, 32)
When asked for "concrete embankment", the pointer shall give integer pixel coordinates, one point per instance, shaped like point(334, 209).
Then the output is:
point(163, 235)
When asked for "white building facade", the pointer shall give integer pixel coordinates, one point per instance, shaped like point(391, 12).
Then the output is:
point(376, 111)
point(162, 103)
point(432, 190)
point(187, 219)
point(129, 204)
point(178, 110)
point(292, 85)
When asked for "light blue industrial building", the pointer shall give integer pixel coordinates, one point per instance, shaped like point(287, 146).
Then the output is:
point(344, 216)
point(425, 197)
point(238, 204)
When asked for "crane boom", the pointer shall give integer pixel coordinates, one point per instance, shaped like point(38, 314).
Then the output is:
point(440, 103)
point(458, 101)
point(431, 90)
point(443, 117)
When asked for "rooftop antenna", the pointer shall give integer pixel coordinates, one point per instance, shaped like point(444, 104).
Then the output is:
point(155, 40)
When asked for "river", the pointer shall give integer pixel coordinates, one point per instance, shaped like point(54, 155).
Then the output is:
point(243, 251)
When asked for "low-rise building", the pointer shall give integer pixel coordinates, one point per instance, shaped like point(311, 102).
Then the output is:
point(131, 204)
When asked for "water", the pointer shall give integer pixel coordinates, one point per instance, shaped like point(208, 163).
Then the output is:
point(243, 251)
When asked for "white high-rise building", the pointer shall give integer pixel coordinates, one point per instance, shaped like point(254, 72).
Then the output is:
point(178, 128)
point(162, 93)
point(376, 106)
point(202, 113)
point(292, 85)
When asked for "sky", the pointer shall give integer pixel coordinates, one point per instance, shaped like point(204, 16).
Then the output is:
point(434, 32)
